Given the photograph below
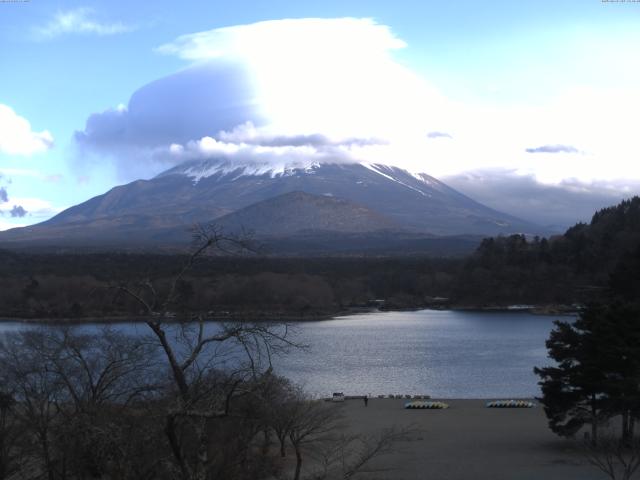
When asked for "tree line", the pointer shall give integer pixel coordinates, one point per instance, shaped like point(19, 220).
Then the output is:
point(80, 286)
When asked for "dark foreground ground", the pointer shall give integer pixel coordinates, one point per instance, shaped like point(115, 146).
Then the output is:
point(469, 441)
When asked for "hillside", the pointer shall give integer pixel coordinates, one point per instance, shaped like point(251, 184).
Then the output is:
point(586, 262)
point(297, 212)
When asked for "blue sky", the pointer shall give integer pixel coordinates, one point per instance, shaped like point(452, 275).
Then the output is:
point(506, 81)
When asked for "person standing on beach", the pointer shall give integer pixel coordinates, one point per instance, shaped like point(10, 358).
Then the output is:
point(366, 400)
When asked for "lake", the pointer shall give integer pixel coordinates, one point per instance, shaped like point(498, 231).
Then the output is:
point(445, 354)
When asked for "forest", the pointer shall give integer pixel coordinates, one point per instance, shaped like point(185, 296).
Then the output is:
point(588, 261)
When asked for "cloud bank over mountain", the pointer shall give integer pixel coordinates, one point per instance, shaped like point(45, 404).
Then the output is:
point(561, 204)
point(262, 150)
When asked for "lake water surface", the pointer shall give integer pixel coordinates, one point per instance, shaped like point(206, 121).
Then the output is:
point(446, 354)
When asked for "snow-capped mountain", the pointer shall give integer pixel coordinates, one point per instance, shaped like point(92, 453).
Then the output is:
point(358, 198)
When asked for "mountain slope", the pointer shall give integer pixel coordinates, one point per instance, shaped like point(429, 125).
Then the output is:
point(588, 263)
point(299, 212)
point(161, 209)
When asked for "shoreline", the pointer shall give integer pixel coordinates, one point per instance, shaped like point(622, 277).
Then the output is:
point(280, 317)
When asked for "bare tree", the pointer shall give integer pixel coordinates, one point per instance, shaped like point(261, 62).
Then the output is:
point(312, 422)
point(74, 397)
point(349, 456)
point(10, 434)
point(617, 459)
point(107, 368)
point(37, 391)
point(103, 375)
point(194, 351)
point(280, 400)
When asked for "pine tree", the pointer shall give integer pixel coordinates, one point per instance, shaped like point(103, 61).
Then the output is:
point(572, 391)
point(597, 375)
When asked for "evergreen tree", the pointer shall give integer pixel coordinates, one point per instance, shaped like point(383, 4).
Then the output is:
point(597, 375)
point(572, 391)
point(617, 330)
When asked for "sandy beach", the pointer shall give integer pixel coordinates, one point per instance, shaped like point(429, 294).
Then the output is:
point(469, 441)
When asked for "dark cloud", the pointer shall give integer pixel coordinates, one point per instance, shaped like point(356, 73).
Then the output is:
point(553, 149)
point(4, 196)
point(18, 211)
point(438, 135)
point(561, 205)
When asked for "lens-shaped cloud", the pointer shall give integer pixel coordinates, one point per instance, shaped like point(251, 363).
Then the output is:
point(308, 80)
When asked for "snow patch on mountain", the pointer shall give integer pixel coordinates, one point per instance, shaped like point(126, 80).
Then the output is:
point(229, 171)
point(380, 169)
point(197, 170)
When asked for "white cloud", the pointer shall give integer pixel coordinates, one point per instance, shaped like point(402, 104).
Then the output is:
point(597, 122)
point(79, 21)
point(316, 38)
point(269, 137)
point(16, 136)
point(259, 151)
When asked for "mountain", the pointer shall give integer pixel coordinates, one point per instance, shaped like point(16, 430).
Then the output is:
point(273, 201)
